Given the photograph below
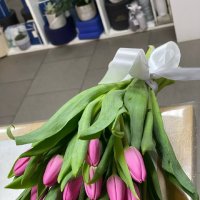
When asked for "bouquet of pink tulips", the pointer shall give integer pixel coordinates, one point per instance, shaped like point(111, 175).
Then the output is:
point(101, 145)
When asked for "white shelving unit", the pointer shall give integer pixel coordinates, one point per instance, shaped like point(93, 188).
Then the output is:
point(108, 31)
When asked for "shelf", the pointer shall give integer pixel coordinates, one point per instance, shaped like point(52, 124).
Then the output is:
point(112, 33)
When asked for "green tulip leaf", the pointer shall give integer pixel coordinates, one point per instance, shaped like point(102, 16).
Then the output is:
point(23, 183)
point(81, 146)
point(66, 166)
point(32, 166)
point(86, 172)
point(9, 132)
point(82, 193)
point(116, 127)
point(104, 197)
point(112, 99)
point(11, 173)
point(65, 180)
point(170, 163)
point(78, 155)
point(25, 195)
point(88, 114)
point(163, 82)
point(50, 142)
point(135, 100)
point(41, 188)
point(54, 193)
point(152, 175)
point(148, 144)
point(66, 113)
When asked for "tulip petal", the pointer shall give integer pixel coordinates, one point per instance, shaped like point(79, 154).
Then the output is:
point(129, 194)
point(135, 164)
point(93, 190)
point(115, 188)
point(94, 151)
point(52, 170)
point(72, 189)
point(34, 193)
point(20, 166)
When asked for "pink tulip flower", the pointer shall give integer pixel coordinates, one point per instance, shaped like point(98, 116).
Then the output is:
point(93, 190)
point(135, 164)
point(129, 194)
point(72, 189)
point(52, 170)
point(115, 188)
point(21, 165)
point(94, 152)
point(34, 193)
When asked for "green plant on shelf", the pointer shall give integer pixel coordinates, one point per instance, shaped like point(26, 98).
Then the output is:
point(20, 36)
point(57, 7)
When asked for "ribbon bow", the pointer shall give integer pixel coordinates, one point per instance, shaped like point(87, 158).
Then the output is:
point(163, 62)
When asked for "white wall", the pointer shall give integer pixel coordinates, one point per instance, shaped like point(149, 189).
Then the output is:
point(186, 15)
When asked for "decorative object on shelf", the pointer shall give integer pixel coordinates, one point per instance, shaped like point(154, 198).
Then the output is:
point(33, 33)
point(115, 1)
point(147, 9)
point(118, 14)
point(122, 114)
point(91, 29)
point(161, 7)
point(55, 15)
point(62, 35)
point(9, 20)
point(137, 16)
point(22, 41)
point(3, 44)
point(133, 22)
point(85, 9)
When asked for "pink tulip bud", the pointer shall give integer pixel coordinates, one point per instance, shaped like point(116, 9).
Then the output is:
point(34, 193)
point(52, 170)
point(129, 194)
point(93, 190)
point(135, 164)
point(94, 152)
point(72, 189)
point(21, 165)
point(115, 188)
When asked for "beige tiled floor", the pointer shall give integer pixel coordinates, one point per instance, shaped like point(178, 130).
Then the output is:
point(34, 86)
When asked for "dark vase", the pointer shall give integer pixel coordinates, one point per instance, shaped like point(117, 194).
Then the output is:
point(62, 35)
point(26, 15)
point(9, 20)
point(118, 14)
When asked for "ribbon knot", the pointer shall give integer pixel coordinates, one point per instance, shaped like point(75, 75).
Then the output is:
point(163, 62)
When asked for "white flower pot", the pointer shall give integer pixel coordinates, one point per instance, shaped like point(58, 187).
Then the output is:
point(115, 1)
point(86, 12)
point(56, 22)
point(24, 43)
point(161, 7)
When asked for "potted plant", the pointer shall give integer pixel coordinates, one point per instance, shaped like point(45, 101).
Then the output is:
point(85, 9)
point(22, 41)
point(55, 15)
point(59, 34)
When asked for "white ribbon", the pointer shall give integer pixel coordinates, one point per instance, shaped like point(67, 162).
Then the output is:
point(164, 62)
